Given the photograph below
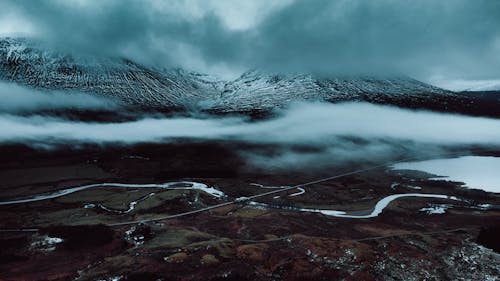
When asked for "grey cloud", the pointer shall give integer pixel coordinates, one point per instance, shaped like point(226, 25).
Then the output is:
point(455, 38)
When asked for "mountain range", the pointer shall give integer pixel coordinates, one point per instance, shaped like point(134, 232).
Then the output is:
point(30, 64)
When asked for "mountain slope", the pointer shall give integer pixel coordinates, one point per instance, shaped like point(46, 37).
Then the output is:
point(24, 62)
point(254, 90)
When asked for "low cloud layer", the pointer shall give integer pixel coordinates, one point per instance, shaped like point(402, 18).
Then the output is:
point(313, 133)
point(426, 39)
point(312, 124)
point(18, 99)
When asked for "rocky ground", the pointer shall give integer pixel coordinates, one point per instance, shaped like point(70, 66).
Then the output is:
point(76, 236)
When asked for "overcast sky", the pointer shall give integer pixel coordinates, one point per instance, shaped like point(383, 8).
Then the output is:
point(427, 39)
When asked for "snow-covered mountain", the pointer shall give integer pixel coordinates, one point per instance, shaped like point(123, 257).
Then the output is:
point(25, 62)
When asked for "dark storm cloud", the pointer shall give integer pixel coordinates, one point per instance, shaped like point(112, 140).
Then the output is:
point(408, 36)
point(455, 38)
point(134, 29)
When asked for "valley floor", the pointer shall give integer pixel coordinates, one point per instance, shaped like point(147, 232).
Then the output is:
point(130, 229)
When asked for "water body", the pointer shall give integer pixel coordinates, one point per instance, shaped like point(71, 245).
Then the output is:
point(480, 172)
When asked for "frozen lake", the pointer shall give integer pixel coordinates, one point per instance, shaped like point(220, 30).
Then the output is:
point(481, 172)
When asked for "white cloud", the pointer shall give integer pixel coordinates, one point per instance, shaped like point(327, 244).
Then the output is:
point(468, 85)
point(12, 24)
point(243, 15)
point(17, 99)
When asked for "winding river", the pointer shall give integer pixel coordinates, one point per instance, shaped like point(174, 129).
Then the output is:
point(169, 185)
point(377, 210)
point(379, 207)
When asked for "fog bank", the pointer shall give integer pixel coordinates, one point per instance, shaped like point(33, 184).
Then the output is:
point(304, 134)
point(313, 124)
point(18, 99)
